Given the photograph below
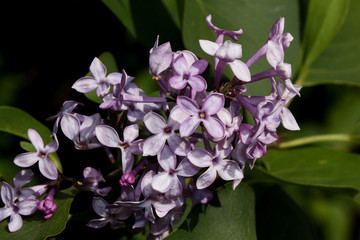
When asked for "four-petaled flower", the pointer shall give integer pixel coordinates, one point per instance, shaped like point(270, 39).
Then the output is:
point(211, 105)
point(14, 209)
point(99, 80)
point(46, 166)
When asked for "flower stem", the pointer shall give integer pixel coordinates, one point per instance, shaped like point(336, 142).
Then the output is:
point(342, 137)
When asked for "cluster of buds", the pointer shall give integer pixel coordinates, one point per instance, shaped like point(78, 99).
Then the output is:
point(173, 146)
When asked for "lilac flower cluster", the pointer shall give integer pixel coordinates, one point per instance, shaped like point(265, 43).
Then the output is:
point(171, 147)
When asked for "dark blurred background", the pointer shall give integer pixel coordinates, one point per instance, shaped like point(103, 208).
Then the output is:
point(47, 45)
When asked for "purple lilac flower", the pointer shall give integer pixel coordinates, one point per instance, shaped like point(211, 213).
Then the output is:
point(46, 166)
point(113, 216)
point(165, 132)
point(99, 80)
point(270, 110)
point(168, 178)
point(90, 182)
point(81, 133)
point(14, 209)
point(211, 105)
point(161, 203)
point(227, 169)
point(110, 138)
point(198, 195)
point(188, 74)
point(47, 205)
point(136, 110)
point(67, 107)
point(115, 100)
point(226, 53)
point(231, 125)
point(160, 59)
point(22, 178)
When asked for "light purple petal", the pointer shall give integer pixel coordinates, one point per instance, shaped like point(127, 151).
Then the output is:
point(87, 128)
point(225, 117)
point(198, 67)
point(207, 178)
point(160, 58)
point(176, 117)
point(180, 65)
point(186, 168)
point(214, 127)
point(145, 185)
point(154, 144)
point(209, 47)
point(97, 223)
point(177, 82)
point(98, 69)
point(198, 83)
point(189, 126)
point(288, 120)
point(187, 105)
point(274, 53)
point(70, 126)
point(99, 206)
point(107, 136)
point(162, 182)
point(5, 212)
point(23, 177)
point(127, 160)
point(15, 222)
point(154, 122)
point(200, 157)
point(26, 159)
point(90, 172)
point(229, 51)
point(180, 146)
point(277, 29)
point(240, 70)
point(27, 206)
point(131, 133)
point(167, 159)
point(48, 169)
point(35, 139)
point(108, 103)
point(85, 84)
point(229, 170)
point(213, 103)
point(52, 146)
point(114, 78)
point(102, 89)
point(7, 194)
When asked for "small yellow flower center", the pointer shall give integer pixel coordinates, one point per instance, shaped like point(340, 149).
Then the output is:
point(155, 78)
point(125, 145)
point(83, 147)
point(43, 156)
point(168, 129)
point(202, 115)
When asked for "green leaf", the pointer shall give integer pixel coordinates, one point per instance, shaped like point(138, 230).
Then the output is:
point(315, 166)
point(7, 168)
point(230, 215)
point(109, 61)
point(274, 209)
point(35, 227)
point(147, 19)
point(340, 62)
point(17, 122)
point(255, 18)
point(323, 20)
